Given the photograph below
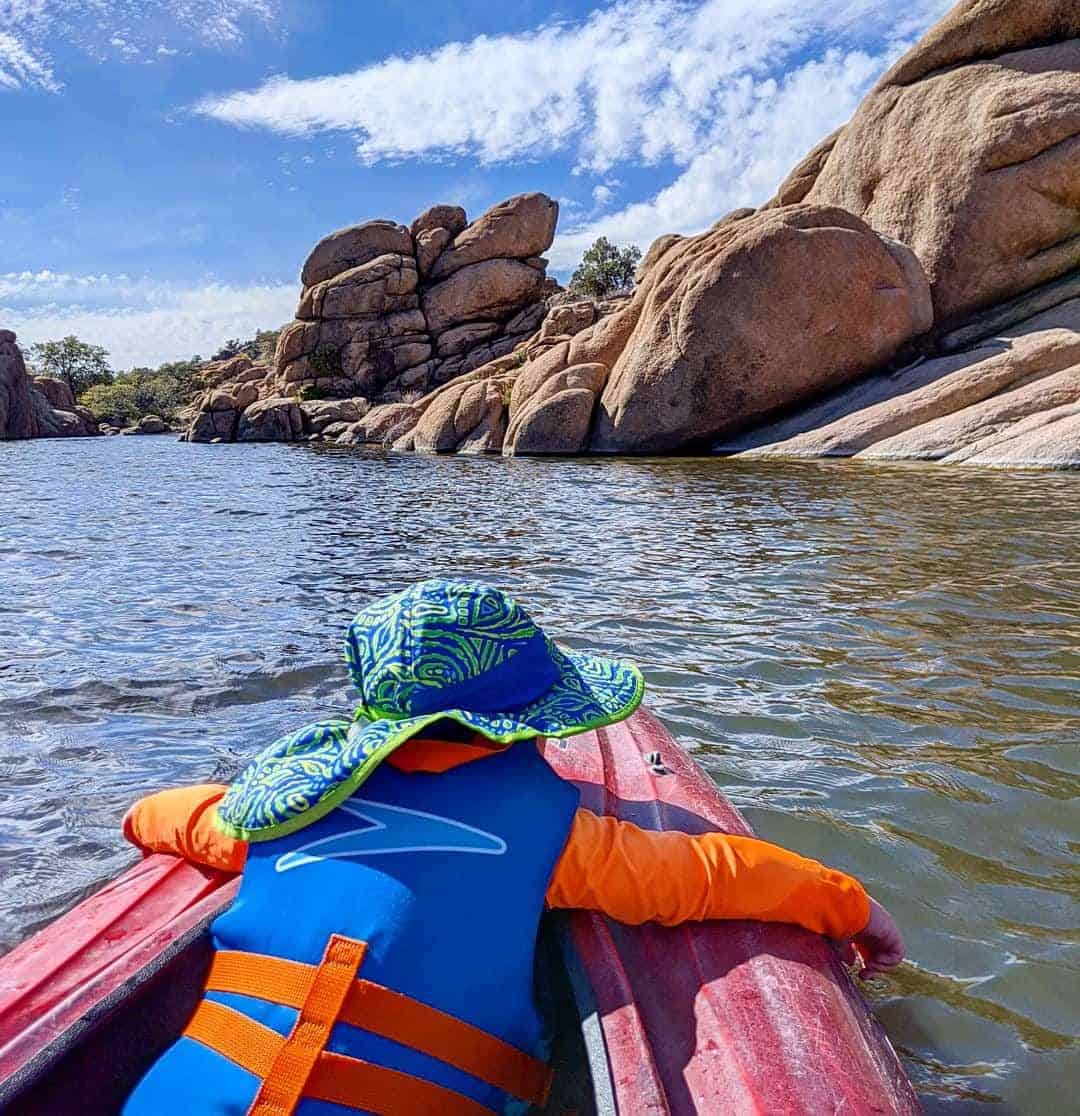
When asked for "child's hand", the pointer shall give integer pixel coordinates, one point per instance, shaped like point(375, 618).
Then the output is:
point(880, 946)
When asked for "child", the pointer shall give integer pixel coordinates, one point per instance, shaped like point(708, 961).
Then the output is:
point(379, 955)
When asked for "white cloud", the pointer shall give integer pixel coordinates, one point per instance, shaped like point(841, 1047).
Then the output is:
point(759, 134)
point(731, 92)
point(117, 29)
point(641, 80)
point(140, 322)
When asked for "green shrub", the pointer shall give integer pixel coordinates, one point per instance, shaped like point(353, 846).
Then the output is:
point(325, 362)
point(143, 391)
point(112, 403)
point(606, 269)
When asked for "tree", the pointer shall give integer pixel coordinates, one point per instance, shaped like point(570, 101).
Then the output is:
point(260, 347)
point(606, 269)
point(78, 364)
point(230, 349)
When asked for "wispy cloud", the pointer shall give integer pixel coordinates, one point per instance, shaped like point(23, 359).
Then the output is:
point(31, 30)
point(761, 132)
point(138, 320)
point(642, 79)
point(21, 66)
point(732, 92)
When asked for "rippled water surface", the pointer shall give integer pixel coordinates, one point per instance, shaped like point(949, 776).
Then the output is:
point(881, 666)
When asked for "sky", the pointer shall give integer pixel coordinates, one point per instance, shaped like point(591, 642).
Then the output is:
point(165, 167)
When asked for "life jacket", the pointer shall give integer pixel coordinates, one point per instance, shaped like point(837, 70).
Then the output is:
point(381, 959)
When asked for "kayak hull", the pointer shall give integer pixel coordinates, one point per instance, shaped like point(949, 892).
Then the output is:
point(722, 1017)
point(719, 1017)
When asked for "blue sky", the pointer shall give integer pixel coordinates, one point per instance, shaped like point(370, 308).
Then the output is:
point(165, 167)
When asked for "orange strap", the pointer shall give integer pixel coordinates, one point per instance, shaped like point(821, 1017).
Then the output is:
point(284, 1085)
point(334, 1078)
point(390, 1015)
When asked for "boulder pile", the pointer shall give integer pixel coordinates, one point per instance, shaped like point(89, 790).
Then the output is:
point(41, 407)
point(388, 311)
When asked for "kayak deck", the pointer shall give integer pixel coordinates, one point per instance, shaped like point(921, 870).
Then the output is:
point(722, 1017)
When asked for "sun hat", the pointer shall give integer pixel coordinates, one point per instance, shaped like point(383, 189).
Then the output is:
point(440, 649)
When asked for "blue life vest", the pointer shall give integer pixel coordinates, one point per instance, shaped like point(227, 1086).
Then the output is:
point(443, 876)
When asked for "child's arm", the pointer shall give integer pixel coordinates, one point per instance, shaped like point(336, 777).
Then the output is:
point(635, 876)
point(180, 821)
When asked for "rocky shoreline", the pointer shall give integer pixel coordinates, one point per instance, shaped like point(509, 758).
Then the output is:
point(912, 292)
point(36, 407)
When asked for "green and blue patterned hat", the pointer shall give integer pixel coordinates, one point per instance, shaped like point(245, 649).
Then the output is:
point(440, 649)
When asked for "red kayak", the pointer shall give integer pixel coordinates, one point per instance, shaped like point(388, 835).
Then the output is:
point(721, 1017)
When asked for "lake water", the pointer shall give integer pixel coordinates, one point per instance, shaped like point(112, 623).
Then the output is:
point(879, 665)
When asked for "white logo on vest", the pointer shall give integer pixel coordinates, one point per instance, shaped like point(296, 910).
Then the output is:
point(392, 829)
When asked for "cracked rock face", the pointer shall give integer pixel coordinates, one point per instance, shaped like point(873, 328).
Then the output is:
point(968, 151)
point(387, 309)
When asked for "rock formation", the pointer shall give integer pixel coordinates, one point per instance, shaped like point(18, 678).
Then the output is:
point(388, 311)
point(36, 408)
point(724, 328)
point(968, 151)
point(386, 308)
point(1011, 399)
point(754, 314)
point(906, 293)
point(148, 424)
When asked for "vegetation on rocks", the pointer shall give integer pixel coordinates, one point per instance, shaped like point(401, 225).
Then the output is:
point(77, 363)
point(128, 396)
point(605, 269)
point(259, 347)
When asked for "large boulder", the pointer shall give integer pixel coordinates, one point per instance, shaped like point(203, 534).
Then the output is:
point(749, 317)
point(353, 247)
point(276, 419)
point(463, 418)
point(16, 411)
point(553, 413)
point(557, 424)
point(491, 289)
point(381, 426)
point(318, 415)
point(449, 217)
point(56, 391)
point(213, 426)
point(373, 289)
point(968, 150)
point(518, 228)
point(52, 422)
point(148, 424)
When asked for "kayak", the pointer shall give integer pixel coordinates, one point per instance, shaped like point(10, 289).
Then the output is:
point(718, 1017)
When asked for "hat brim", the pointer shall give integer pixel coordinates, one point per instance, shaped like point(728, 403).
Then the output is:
point(302, 777)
